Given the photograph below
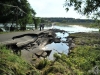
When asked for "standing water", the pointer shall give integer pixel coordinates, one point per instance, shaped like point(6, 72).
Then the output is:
point(63, 47)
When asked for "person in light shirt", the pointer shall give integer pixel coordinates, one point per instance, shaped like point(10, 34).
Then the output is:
point(52, 26)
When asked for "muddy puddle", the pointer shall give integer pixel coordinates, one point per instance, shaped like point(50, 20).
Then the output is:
point(61, 47)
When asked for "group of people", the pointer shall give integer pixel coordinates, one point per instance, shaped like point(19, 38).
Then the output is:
point(41, 27)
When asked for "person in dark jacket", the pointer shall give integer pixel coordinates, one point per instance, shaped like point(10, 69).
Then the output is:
point(40, 26)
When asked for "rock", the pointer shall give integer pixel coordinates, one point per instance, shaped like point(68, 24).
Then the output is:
point(72, 45)
point(57, 40)
point(48, 52)
point(39, 53)
point(20, 44)
point(44, 54)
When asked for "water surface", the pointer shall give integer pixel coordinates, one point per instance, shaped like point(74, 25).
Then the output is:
point(63, 47)
point(75, 28)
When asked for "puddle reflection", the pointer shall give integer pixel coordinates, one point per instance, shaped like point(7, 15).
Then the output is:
point(56, 48)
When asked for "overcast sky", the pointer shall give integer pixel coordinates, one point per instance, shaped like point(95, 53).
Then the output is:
point(53, 8)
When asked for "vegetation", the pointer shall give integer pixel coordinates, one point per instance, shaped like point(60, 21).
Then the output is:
point(70, 21)
point(85, 7)
point(90, 8)
point(17, 12)
point(66, 20)
point(11, 64)
point(36, 20)
point(84, 59)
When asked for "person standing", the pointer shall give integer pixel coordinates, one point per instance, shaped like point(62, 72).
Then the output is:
point(40, 26)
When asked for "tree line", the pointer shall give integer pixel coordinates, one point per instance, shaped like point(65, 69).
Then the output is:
point(66, 20)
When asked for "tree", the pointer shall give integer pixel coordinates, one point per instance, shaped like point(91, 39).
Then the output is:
point(85, 7)
point(27, 17)
point(36, 20)
point(16, 11)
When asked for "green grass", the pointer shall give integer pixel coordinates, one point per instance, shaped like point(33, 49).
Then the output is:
point(11, 64)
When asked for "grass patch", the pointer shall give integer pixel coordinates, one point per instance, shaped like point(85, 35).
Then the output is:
point(11, 64)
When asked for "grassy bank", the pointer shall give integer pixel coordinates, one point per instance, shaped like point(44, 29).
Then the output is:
point(86, 54)
point(11, 64)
